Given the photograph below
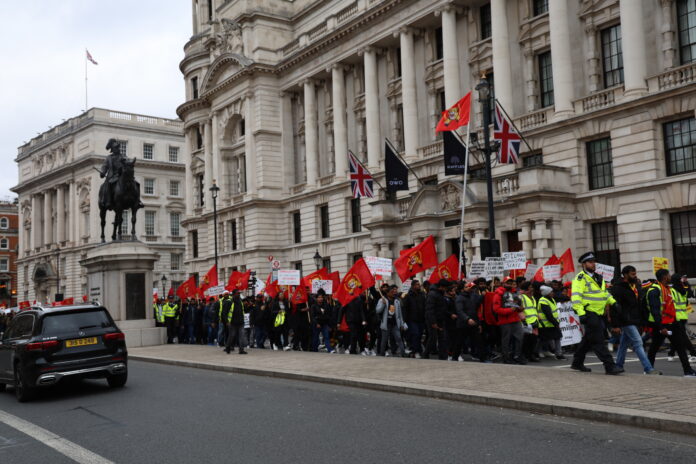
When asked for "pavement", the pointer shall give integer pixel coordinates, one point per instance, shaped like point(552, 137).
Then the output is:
point(656, 402)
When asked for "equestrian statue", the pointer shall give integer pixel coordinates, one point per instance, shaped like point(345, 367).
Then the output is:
point(120, 191)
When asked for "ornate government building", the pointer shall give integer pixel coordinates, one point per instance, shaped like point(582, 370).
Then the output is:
point(278, 91)
point(58, 193)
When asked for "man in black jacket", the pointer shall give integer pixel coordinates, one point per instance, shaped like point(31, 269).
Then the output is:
point(414, 317)
point(235, 319)
point(435, 309)
point(627, 316)
point(466, 304)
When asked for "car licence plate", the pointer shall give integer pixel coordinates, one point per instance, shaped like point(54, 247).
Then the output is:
point(81, 342)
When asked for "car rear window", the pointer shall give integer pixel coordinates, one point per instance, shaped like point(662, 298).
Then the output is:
point(72, 322)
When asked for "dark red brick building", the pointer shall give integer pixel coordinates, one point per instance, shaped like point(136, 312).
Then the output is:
point(9, 243)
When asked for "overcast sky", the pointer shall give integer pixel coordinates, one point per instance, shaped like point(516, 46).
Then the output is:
point(137, 43)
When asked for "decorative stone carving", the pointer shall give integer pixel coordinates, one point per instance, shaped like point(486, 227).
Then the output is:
point(229, 38)
point(450, 197)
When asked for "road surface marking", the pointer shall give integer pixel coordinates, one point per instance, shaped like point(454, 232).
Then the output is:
point(50, 439)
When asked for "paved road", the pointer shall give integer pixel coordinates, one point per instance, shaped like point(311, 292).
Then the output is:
point(170, 414)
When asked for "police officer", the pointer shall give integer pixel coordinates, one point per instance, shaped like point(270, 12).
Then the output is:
point(170, 310)
point(590, 300)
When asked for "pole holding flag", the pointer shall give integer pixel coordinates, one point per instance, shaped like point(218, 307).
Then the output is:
point(88, 57)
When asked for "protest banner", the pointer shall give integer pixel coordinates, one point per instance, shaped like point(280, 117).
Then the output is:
point(288, 277)
point(552, 272)
point(378, 265)
point(494, 267)
point(326, 285)
point(477, 269)
point(606, 271)
point(514, 260)
point(215, 291)
point(531, 271)
point(569, 323)
point(659, 263)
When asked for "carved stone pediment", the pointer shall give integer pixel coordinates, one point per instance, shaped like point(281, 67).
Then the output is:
point(450, 197)
point(224, 66)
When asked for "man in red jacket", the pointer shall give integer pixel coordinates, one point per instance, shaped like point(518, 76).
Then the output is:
point(507, 308)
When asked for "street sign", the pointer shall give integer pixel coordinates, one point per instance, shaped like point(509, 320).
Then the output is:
point(275, 265)
point(270, 258)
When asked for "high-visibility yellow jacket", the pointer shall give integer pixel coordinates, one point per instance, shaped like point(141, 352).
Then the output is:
point(590, 296)
point(170, 310)
point(543, 320)
point(529, 306)
point(680, 303)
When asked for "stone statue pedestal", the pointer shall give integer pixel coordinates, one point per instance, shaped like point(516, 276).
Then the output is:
point(119, 276)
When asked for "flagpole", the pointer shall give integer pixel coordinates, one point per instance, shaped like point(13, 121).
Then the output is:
point(85, 80)
point(463, 201)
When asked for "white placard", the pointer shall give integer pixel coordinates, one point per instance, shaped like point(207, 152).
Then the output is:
point(154, 292)
point(606, 271)
point(215, 291)
point(531, 271)
point(552, 272)
point(326, 285)
point(477, 269)
point(288, 277)
point(569, 323)
point(406, 285)
point(514, 260)
point(494, 267)
point(260, 287)
point(378, 265)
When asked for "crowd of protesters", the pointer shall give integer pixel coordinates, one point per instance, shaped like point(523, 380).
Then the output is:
point(513, 321)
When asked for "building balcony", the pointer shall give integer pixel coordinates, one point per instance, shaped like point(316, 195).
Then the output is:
point(537, 179)
point(673, 78)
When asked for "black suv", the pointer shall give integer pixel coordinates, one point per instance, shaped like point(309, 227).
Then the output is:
point(41, 346)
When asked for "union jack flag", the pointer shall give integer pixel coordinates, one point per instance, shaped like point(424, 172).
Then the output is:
point(360, 178)
point(510, 140)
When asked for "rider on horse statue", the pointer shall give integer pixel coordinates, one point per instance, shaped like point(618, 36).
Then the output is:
point(111, 169)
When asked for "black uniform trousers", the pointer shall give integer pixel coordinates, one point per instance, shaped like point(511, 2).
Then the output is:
point(594, 340)
point(171, 329)
point(235, 336)
point(678, 340)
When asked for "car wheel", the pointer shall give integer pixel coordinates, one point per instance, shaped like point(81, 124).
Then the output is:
point(22, 392)
point(117, 380)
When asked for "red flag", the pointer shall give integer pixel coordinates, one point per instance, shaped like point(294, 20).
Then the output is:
point(566, 261)
point(272, 289)
point(299, 296)
point(210, 279)
point(238, 281)
point(357, 280)
point(84, 298)
point(540, 273)
point(321, 274)
point(66, 302)
point(448, 270)
point(24, 305)
point(171, 292)
point(187, 289)
point(417, 259)
point(456, 116)
point(335, 277)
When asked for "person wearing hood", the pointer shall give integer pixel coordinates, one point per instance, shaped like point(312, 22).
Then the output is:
point(549, 326)
point(680, 296)
point(627, 316)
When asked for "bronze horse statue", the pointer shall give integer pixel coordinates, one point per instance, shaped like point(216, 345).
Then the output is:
point(120, 191)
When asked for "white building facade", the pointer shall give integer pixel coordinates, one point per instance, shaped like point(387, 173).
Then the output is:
point(278, 91)
point(58, 193)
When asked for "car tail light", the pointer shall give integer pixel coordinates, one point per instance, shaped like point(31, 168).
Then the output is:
point(114, 336)
point(42, 345)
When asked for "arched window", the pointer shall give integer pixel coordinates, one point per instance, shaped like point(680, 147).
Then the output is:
point(4, 223)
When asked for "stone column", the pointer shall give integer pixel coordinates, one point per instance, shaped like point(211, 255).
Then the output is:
point(208, 174)
point(60, 214)
point(450, 55)
point(48, 220)
point(372, 108)
point(561, 62)
point(310, 120)
point(525, 237)
point(189, 174)
point(408, 93)
point(633, 47)
point(73, 215)
point(669, 54)
point(338, 95)
point(502, 69)
point(249, 142)
point(35, 225)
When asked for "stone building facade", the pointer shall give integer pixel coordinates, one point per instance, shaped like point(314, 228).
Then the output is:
point(278, 91)
point(9, 232)
point(58, 193)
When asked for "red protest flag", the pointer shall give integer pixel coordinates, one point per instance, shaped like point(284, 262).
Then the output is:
point(448, 270)
point(539, 276)
point(354, 283)
point(210, 279)
point(84, 298)
point(417, 259)
point(299, 296)
point(170, 292)
point(455, 116)
point(335, 278)
point(238, 281)
point(566, 261)
point(321, 274)
point(66, 302)
point(272, 289)
point(187, 289)
point(24, 304)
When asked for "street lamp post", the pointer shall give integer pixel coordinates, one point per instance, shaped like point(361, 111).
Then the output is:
point(59, 295)
point(318, 261)
point(484, 91)
point(164, 285)
point(214, 191)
